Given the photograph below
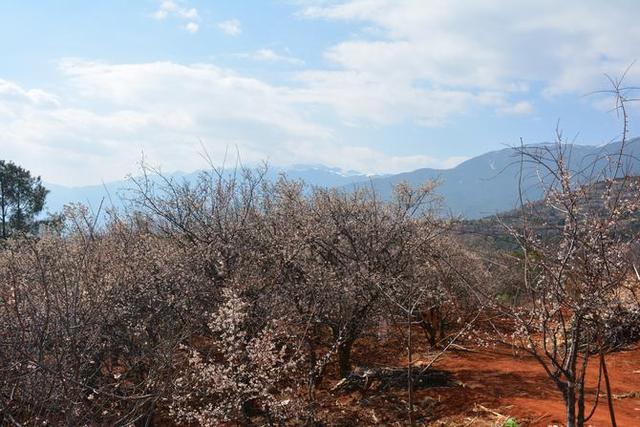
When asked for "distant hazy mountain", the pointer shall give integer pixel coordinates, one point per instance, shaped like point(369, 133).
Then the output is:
point(488, 184)
point(111, 193)
point(481, 186)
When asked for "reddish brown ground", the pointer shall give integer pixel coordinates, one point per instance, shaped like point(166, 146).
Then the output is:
point(491, 382)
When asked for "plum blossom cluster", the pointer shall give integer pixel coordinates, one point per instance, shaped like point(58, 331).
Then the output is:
point(243, 376)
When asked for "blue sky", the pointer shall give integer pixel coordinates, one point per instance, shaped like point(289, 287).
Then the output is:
point(378, 86)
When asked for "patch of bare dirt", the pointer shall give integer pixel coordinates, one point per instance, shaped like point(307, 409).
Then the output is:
point(490, 386)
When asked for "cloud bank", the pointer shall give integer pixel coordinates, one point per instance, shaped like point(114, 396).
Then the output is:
point(170, 112)
point(416, 63)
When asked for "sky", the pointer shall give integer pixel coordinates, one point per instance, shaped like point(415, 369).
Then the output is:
point(89, 89)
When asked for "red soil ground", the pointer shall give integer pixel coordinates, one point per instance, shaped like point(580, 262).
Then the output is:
point(518, 387)
point(493, 384)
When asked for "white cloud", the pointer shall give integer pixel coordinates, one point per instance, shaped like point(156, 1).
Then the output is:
point(363, 98)
point(168, 8)
point(105, 115)
point(160, 14)
point(431, 59)
point(231, 27)
point(16, 95)
point(269, 55)
point(192, 27)
point(518, 108)
point(207, 92)
point(161, 108)
point(191, 13)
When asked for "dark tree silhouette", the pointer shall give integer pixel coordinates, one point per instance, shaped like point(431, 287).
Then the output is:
point(22, 197)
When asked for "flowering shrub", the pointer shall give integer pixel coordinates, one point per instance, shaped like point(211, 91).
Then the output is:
point(245, 374)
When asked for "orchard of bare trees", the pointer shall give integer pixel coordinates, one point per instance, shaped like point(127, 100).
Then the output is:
point(239, 300)
point(224, 301)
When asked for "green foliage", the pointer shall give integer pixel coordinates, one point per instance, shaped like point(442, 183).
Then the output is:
point(511, 422)
point(22, 197)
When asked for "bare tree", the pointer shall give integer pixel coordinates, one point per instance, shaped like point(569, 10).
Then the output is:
point(575, 262)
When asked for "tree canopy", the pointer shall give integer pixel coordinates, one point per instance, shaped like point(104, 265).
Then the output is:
point(22, 198)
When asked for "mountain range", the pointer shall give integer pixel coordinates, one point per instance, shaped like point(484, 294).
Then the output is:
point(478, 187)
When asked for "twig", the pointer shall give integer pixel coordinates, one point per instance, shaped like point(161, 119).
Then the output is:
point(629, 395)
point(473, 420)
point(491, 411)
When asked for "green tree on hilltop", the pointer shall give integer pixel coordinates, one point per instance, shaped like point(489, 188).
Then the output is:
point(22, 197)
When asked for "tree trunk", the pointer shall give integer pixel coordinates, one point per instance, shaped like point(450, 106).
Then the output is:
point(429, 334)
point(314, 377)
point(570, 402)
point(3, 209)
point(431, 323)
point(581, 403)
point(581, 380)
point(344, 358)
point(409, 367)
point(571, 374)
point(612, 412)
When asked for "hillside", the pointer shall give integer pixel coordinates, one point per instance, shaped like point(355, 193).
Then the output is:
point(545, 221)
point(488, 184)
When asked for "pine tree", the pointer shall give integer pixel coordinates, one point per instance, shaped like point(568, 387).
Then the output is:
point(22, 198)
